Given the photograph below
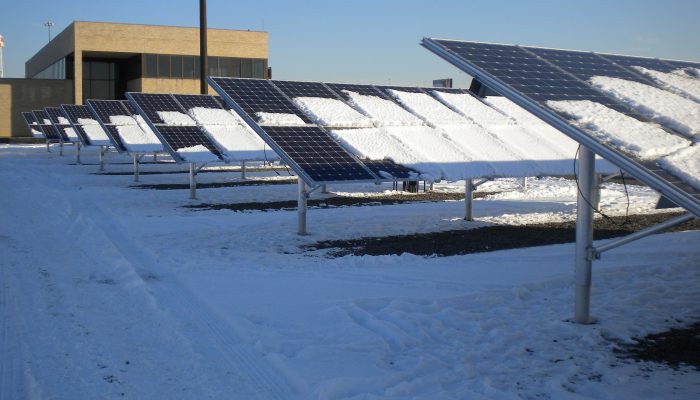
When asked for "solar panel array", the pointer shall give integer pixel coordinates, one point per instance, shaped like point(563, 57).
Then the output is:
point(103, 110)
point(176, 137)
point(47, 127)
point(33, 124)
point(532, 76)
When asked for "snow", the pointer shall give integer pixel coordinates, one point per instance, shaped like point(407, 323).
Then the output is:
point(382, 111)
point(63, 121)
point(37, 134)
point(72, 136)
point(279, 119)
point(227, 130)
point(474, 109)
point(96, 134)
point(136, 136)
point(110, 292)
point(331, 112)
point(685, 164)
point(666, 108)
point(428, 108)
point(645, 141)
point(196, 154)
point(176, 118)
point(677, 81)
point(87, 121)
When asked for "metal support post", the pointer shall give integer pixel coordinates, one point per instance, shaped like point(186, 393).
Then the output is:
point(77, 153)
point(525, 182)
point(597, 187)
point(301, 208)
point(324, 188)
point(136, 167)
point(584, 236)
point(102, 158)
point(468, 200)
point(155, 157)
point(48, 144)
point(243, 171)
point(193, 181)
point(432, 186)
point(60, 149)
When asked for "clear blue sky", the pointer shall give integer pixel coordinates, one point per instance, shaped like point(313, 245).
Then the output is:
point(376, 41)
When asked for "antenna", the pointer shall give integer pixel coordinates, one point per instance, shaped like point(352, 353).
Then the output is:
point(49, 24)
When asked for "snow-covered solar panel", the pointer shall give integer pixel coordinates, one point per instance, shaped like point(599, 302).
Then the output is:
point(86, 125)
point(46, 125)
point(33, 125)
point(62, 125)
point(127, 133)
point(553, 84)
point(308, 149)
point(236, 140)
point(183, 139)
point(304, 89)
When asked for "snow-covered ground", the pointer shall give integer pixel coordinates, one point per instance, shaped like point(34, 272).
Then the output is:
point(111, 292)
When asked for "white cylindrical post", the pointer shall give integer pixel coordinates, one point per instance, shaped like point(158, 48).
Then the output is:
point(584, 235)
point(432, 186)
point(77, 153)
point(136, 167)
point(155, 157)
point(48, 144)
point(301, 208)
point(324, 188)
point(193, 181)
point(525, 182)
point(243, 177)
point(597, 187)
point(60, 148)
point(468, 200)
point(102, 158)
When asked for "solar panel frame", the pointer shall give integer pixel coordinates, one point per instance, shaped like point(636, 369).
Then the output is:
point(173, 137)
point(397, 171)
point(366, 90)
point(310, 177)
point(77, 128)
point(189, 101)
point(102, 110)
point(488, 72)
point(294, 89)
point(32, 122)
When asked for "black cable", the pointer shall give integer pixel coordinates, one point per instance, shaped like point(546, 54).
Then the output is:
point(579, 187)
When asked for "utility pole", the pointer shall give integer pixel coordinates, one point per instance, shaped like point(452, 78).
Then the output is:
point(2, 65)
point(204, 71)
point(49, 24)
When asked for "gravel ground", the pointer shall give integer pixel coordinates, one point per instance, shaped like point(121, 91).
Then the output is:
point(675, 347)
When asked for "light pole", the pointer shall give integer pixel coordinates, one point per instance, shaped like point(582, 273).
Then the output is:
point(203, 68)
point(49, 24)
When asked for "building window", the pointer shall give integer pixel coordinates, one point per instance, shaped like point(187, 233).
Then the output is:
point(246, 68)
point(176, 67)
point(56, 70)
point(150, 66)
point(188, 67)
point(213, 66)
point(230, 67)
point(99, 80)
point(258, 69)
point(163, 66)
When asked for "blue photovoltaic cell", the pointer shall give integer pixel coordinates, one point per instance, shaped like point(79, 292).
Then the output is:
point(75, 112)
point(190, 101)
point(305, 89)
point(102, 110)
point(76, 128)
point(321, 158)
point(31, 121)
point(178, 137)
point(54, 113)
point(258, 95)
point(151, 103)
point(366, 90)
point(585, 65)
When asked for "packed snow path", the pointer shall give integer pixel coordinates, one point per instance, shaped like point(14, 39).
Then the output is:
point(109, 292)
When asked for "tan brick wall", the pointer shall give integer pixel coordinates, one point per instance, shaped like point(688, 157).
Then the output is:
point(19, 95)
point(176, 86)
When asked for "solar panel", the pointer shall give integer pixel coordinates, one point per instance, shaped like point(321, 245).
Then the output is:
point(150, 104)
point(175, 137)
point(75, 112)
point(93, 135)
point(586, 65)
point(49, 130)
point(258, 95)
point(305, 89)
point(366, 90)
point(190, 101)
point(78, 129)
point(55, 115)
point(103, 110)
point(320, 157)
point(387, 167)
point(530, 80)
point(32, 124)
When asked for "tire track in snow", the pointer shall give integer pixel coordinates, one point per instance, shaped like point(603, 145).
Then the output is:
point(215, 339)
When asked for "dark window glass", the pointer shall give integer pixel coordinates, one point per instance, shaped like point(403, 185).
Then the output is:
point(197, 67)
point(176, 66)
point(86, 70)
point(99, 70)
point(246, 68)
point(100, 90)
point(188, 67)
point(87, 94)
point(258, 69)
point(226, 66)
point(213, 65)
point(150, 69)
point(163, 66)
